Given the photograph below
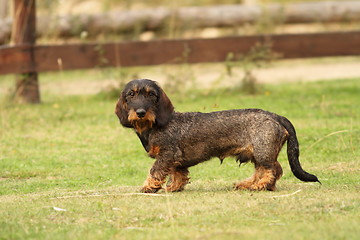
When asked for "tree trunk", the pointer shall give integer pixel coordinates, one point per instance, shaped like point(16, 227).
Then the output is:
point(24, 32)
point(3, 9)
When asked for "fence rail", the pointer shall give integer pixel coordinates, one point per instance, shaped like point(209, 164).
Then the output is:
point(40, 58)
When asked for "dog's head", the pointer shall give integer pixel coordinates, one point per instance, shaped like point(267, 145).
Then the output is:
point(143, 104)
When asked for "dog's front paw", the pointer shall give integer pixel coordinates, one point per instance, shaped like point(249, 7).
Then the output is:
point(147, 189)
point(151, 185)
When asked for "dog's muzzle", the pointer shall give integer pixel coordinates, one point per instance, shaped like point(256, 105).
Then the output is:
point(140, 113)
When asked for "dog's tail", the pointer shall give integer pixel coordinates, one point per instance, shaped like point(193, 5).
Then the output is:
point(293, 153)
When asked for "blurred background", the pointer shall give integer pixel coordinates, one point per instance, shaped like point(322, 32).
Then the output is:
point(84, 20)
point(90, 21)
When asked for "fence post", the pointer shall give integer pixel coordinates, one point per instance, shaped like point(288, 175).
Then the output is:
point(24, 32)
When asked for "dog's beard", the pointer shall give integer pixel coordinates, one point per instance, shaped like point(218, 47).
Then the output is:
point(142, 124)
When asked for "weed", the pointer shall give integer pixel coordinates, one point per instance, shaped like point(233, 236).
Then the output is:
point(258, 57)
point(183, 79)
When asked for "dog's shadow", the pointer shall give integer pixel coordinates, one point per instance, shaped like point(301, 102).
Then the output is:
point(207, 187)
point(229, 187)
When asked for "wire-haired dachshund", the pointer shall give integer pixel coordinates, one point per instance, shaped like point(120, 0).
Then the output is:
point(180, 140)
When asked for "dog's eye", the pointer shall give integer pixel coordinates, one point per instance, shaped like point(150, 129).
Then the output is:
point(131, 93)
point(152, 94)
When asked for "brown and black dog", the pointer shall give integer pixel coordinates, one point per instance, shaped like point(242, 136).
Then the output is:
point(180, 140)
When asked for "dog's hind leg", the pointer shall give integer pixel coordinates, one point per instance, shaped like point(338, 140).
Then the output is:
point(277, 173)
point(267, 177)
point(277, 170)
point(178, 179)
point(267, 144)
point(264, 178)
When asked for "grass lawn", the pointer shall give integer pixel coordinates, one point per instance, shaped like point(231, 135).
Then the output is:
point(68, 170)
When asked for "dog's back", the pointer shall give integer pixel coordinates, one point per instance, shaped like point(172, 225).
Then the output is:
point(240, 133)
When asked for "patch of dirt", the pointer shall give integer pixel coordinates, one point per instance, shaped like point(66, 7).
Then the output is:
point(208, 75)
point(213, 75)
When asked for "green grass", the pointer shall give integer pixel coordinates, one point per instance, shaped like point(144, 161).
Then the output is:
point(70, 152)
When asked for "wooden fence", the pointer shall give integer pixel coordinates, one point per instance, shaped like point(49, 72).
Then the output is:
point(39, 58)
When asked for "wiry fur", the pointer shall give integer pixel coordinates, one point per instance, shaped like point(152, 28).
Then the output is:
point(180, 140)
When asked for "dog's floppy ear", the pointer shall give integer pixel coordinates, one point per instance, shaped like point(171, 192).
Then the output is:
point(164, 109)
point(122, 112)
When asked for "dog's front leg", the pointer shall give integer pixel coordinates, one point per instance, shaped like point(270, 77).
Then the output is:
point(156, 178)
point(178, 179)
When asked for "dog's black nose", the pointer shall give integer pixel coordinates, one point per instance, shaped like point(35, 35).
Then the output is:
point(140, 113)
